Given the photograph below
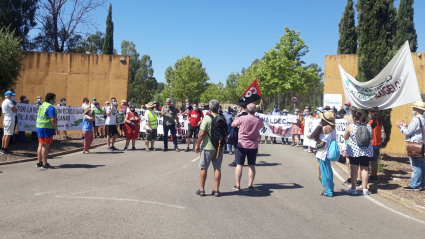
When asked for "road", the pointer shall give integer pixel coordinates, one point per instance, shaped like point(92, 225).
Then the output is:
point(138, 194)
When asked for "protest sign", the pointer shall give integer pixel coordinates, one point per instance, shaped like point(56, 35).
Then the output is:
point(99, 120)
point(120, 118)
point(340, 127)
point(332, 100)
point(27, 117)
point(309, 125)
point(276, 126)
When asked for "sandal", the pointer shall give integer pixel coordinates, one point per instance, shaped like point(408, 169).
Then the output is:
point(200, 193)
point(216, 193)
point(292, 144)
point(152, 149)
point(251, 188)
point(147, 149)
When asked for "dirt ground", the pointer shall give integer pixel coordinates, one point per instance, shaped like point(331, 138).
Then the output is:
point(29, 149)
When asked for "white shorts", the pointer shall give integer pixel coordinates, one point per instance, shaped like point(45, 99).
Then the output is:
point(8, 127)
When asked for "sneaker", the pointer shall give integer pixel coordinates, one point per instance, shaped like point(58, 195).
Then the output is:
point(1, 151)
point(366, 192)
point(38, 165)
point(225, 152)
point(233, 164)
point(237, 188)
point(113, 147)
point(251, 188)
point(359, 185)
point(125, 148)
point(133, 148)
point(165, 150)
point(187, 149)
point(6, 151)
point(231, 153)
point(110, 149)
point(46, 166)
point(347, 182)
point(352, 191)
point(411, 189)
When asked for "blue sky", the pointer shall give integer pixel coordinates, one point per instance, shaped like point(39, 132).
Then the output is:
point(228, 35)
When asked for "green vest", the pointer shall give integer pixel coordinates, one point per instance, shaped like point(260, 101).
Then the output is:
point(153, 122)
point(43, 121)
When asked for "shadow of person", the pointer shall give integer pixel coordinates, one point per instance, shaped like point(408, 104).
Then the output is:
point(87, 166)
point(263, 155)
point(263, 163)
point(109, 152)
point(262, 190)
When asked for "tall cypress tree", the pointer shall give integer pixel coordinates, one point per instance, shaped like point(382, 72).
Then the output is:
point(376, 29)
point(108, 43)
point(406, 26)
point(347, 43)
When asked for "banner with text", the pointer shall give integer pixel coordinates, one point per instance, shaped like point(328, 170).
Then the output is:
point(277, 126)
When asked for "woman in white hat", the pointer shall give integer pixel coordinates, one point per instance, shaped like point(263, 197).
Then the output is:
point(414, 133)
point(327, 135)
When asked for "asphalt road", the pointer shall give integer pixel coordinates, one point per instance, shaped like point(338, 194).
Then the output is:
point(136, 194)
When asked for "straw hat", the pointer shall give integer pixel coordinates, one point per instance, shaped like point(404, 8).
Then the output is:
point(419, 105)
point(149, 105)
point(285, 111)
point(123, 101)
point(328, 117)
point(87, 110)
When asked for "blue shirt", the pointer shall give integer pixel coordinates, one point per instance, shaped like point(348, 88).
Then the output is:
point(229, 121)
point(275, 113)
point(413, 131)
point(46, 133)
point(87, 125)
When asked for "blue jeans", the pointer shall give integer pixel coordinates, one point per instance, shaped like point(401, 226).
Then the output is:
point(418, 175)
point(229, 146)
point(172, 129)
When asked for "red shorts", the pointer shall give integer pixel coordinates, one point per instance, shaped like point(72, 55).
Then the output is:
point(48, 140)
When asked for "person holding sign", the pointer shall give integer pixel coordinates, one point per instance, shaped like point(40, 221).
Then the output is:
point(151, 126)
point(46, 126)
point(131, 128)
point(87, 129)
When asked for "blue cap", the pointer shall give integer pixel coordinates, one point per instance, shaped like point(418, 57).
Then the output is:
point(9, 93)
point(321, 109)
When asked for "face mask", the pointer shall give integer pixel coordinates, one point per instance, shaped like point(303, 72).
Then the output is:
point(122, 103)
point(55, 100)
point(339, 116)
point(219, 109)
point(275, 110)
point(413, 113)
point(63, 102)
point(94, 102)
point(305, 114)
point(318, 112)
point(187, 106)
point(39, 100)
point(114, 103)
point(203, 108)
point(346, 107)
point(234, 108)
point(285, 114)
point(295, 113)
point(195, 108)
point(133, 111)
point(227, 110)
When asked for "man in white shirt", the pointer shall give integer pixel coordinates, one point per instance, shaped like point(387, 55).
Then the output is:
point(9, 111)
point(111, 124)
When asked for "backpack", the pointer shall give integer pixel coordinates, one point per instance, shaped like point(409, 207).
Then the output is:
point(218, 131)
point(333, 151)
point(363, 136)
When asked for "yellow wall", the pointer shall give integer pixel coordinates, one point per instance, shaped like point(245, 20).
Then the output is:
point(73, 76)
point(333, 85)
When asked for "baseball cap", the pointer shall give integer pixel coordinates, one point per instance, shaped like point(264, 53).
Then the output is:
point(94, 98)
point(348, 103)
point(107, 102)
point(9, 93)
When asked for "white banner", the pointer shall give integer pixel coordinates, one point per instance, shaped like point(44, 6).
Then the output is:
point(332, 100)
point(340, 126)
point(277, 126)
point(395, 85)
point(68, 118)
point(182, 131)
point(309, 126)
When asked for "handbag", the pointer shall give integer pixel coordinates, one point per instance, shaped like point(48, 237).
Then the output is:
point(416, 150)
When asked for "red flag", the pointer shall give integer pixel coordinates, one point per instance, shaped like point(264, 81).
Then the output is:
point(252, 93)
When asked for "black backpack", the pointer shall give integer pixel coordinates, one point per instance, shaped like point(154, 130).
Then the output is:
point(218, 131)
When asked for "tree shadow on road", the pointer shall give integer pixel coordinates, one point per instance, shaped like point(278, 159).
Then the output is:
point(87, 166)
point(262, 190)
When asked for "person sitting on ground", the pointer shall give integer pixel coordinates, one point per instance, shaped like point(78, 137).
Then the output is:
point(359, 155)
point(208, 152)
point(87, 129)
point(415, 132)
point(151, 126)
point(249, 129)
point(131, 128)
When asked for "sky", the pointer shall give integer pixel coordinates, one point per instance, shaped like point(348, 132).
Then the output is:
point(227, 35)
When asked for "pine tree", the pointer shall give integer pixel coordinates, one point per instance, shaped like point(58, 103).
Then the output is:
point(347, 43)
point(406, 26)
point(108, 44)
point(376, 33)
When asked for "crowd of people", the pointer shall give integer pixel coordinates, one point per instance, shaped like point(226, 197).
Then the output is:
point(214, 131)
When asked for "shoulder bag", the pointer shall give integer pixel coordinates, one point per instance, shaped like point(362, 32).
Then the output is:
point(416, 150)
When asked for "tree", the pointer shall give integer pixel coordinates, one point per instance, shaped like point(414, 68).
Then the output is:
point(377, 28)
point(188, 78)
point(10, 60)
point(128, 48)
point(230, 90)
point(108, 44)
point(144, 85)
point(60, 19)
point(347, 43)
point(19, 15)
point(93, 43)
point(405, 26)
point(212, 91)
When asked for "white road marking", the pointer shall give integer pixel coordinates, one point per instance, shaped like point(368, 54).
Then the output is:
point(378, 203)
point(94, 190)
point(193, 160)
point(127, 200)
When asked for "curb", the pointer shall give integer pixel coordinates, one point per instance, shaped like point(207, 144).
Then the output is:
point(56, 154)
point(388, 195)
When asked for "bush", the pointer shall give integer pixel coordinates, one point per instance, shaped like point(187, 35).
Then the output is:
point(10, 60)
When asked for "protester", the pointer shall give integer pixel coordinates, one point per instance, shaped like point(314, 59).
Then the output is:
point(46, 127)
point(97, 111)
point(229, 119)
point(414, 133)
point(327, 108)
point(341, 114)
point(87, 129)
point(15, 125)
point(243, 112)
point(285, 140)
point(169, 114)
point(86, 103)
point(93, 104)
point(131, 128)
point(38, 101)
point(349, 118)
point(359, 156)
point(21, 134)
point(277, 112)
point(327, 135)
point(123, 110)
point(9, 111)
point(296, 128)
point(111, 124)
point(347, 106)
point(62, 103)
point(259, 111)
point(142, 133)
point(376, 124)
point(249, 129)
point(210, 153)
point(195, 117)
point(151, 126)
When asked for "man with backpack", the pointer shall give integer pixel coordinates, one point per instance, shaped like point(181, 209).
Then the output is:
point(194, 118)
point(213, 137)
point(249, 130)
